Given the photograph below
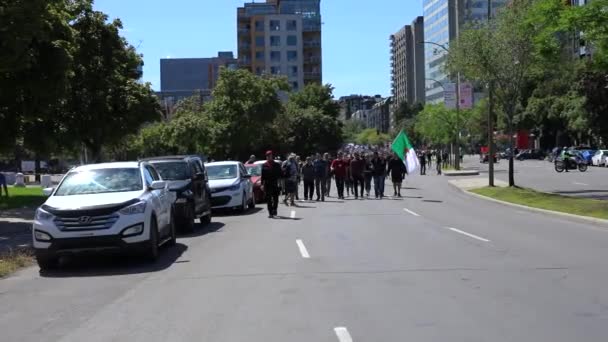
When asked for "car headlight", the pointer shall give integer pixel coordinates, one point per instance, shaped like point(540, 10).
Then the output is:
point(42, 236)
point(234, 187)
point(133, 230)
point(42, 215)
point(137, 208)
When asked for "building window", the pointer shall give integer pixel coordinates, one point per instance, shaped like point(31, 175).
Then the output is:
point(275, 25)
point(259, 41)
point(292, 25)
point(259, 26)
point(293, 70)
point(275, 40)
point(294, 85)
point(275, 70)
point(292, 40)
point(275, 56)
point(292, 56)
point(260, 55)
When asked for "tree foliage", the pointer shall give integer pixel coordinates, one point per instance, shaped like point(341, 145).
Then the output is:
point(317, 96)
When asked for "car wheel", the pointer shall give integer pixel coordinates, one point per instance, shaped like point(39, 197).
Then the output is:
point(46, 261)
point(205, 220)
point(188, 221)
point(151, 253)
point(252, 202)
point(172, 232)
point(243, 207)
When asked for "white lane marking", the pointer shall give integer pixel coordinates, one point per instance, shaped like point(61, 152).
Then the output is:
point(410, 212)
point(583, 184)
point(302, 248)
point(343, 335)
point(293, 214)
point(468, 234)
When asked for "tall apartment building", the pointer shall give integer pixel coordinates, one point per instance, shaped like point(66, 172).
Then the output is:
point(407, 64)
point(352, 103)
point(442, 21)
point(189, 74)
point(281, 37)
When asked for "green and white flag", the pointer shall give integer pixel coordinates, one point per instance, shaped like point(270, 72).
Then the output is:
point(404, 149)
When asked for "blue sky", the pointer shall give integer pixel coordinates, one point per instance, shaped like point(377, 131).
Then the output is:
point(355, 35)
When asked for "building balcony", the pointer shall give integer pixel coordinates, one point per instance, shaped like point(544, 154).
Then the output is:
point(311, 75)
point(311, 27)
point(311, 44)
point(244, 46)
point(243, 30)
point(312, 60)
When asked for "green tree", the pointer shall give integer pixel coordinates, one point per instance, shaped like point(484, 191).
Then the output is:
point(371, 136)
point(436, 124)
point(106, 101)
point(317, 96)
point(245, 107)
point(351, 129)
point(501, 54)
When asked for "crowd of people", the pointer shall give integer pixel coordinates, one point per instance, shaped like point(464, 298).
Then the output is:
point(353, 174)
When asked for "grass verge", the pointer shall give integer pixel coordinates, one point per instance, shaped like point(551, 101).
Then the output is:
point(29, 197)
point(542, 200)
point(12, 261)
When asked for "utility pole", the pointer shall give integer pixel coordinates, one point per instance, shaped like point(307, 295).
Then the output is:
point(490, 116)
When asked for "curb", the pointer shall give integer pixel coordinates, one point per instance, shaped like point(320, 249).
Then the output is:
point(586, 219)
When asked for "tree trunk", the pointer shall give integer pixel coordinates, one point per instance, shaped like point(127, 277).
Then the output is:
point(512, 156)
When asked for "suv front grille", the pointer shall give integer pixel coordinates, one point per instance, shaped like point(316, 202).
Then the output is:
point(86, 222)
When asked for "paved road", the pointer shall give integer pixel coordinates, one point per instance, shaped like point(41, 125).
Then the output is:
point(434, 266)
point(541, 175)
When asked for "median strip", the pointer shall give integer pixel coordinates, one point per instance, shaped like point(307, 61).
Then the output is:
point(14, 260)
point(564, 204)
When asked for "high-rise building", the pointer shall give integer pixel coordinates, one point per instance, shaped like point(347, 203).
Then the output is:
point(407, 64)
point(281, 37)
point(442, 21)
point(190, 74)
point(352, 103)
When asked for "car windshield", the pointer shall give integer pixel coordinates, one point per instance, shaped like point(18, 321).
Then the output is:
point(222, 171)
point(254, 170)
point(100, 181)
point(172, 170)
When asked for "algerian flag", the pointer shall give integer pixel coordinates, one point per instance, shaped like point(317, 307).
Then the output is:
point(404, 149)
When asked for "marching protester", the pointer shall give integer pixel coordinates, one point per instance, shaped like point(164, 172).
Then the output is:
point(438, 161)
point(308, 175)
point(357, 166)
point(348, 182)
point(320, 167)
point(396, 169)
point(327, 157)
point(422, 158)
point(367, 174)
point(290, 172)
point(339, 169)
point(251, 160)
point(379, 174)
point(271, 175)
point(299, 178)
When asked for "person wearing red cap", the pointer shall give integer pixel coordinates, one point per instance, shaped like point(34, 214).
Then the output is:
point(271, 175)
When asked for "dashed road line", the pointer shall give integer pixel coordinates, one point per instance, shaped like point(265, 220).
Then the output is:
point(468, 234)
point(577, 183)
point(343, 335)
point(410, 212)
point(302, 248)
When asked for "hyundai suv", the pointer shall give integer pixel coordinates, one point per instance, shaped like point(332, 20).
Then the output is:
point(104, 207)
point(187, 178)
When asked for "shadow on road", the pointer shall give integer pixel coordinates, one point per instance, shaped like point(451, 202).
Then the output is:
point(111, 265)
point(200, 230)
point(591, 194)
point(230, 212)
point(287, 218)
point(432, 201)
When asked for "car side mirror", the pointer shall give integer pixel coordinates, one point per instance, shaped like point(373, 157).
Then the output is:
point(158, 185)
point(48, 191)
point(247, 176)
point(199, 176)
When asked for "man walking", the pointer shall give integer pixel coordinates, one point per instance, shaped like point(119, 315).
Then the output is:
point(251, 160)
point(290, 170)
point(438, 162)
point(367, 174)
point(3, 184)
point(379, 174)
point(327, 158)
point(357, 166)
point(320, 167)
point(422, 159)
point(339, 168)
point(271, 175)
point(308, 175)
point(397, 169)
point(299, 164)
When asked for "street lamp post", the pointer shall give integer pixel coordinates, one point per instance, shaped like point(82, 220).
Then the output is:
point(457, 150)
point(491, 118)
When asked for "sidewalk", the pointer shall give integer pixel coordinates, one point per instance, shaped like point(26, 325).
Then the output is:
point(15, 229)
point(475, 183)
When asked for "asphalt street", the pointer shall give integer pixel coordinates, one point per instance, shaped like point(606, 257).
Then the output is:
point(541, 175)
point(436, 265)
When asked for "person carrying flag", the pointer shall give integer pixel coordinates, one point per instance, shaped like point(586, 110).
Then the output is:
point(405, 151)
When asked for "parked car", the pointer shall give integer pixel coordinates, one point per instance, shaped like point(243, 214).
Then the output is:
point(186, 177)
point(255, 171)
point(599, 158)
point(231, 186)
point(104, 207)
point(587, 156)
point(531, 154)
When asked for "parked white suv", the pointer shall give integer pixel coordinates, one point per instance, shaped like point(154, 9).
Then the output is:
point(105, 207)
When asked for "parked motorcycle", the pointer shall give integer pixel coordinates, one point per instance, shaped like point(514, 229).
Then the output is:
point(573, 164)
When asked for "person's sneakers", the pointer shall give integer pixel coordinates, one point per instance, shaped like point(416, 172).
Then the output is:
point(323, 199)
point(398, 195)
point(395, 195)
point(270, 216)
